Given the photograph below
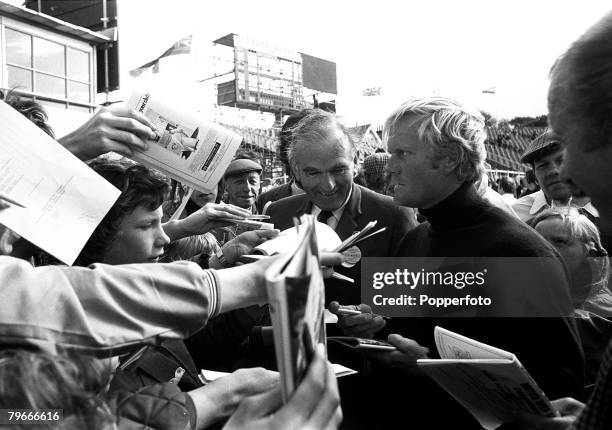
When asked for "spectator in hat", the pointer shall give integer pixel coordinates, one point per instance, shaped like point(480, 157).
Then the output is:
point(580, 111)
point(242, 185)
point(242, 182)
point(374, 169)
point(545, 154)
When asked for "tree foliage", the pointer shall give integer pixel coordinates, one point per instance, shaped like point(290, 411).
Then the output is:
point(529, 121)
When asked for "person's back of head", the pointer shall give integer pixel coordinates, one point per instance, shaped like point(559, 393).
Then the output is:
point(507, 185)
point(75, 384)
point(580, 112)
point(32, 110)
point(579, 98)
point(374, 170)
point(530, 177)
point(139, 186)
point(285, 136)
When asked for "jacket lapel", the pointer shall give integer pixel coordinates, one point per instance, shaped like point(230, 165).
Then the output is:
point(305, 207)
point(348, 221)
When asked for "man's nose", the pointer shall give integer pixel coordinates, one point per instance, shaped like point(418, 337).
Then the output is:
point(554, 170)
point(329, 183)
point(245, 186)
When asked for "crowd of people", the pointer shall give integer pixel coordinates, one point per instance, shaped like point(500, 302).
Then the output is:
point(117, 340)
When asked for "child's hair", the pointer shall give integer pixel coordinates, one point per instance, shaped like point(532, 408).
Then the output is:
point(139, 185)
point(76, 384)
point(580, 227)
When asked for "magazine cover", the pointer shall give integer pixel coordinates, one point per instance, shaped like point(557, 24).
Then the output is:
point(187, 148)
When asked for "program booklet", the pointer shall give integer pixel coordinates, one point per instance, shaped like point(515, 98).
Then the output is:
point(489, 382)
point(296, 295)
point(188, 148)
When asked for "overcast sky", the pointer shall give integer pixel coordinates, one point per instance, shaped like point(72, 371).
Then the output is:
point(409, 48)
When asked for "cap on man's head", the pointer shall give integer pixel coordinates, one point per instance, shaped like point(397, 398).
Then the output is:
point(376, 163)
point(544, 143)
point(243, 165)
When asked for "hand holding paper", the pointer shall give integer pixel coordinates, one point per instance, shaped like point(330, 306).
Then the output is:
point(489, 382)
point(362, 323)
point(314, 405)
point(208, 217)
point(220, 398)
point(245, 242)
point(116, 129)
point(569, 409)
point(405, 356)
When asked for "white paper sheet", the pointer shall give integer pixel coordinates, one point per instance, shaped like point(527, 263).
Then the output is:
point(65, 200)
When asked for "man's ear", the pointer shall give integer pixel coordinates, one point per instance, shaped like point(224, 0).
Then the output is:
point(535, 178)
point(297, 174)
point(445, 164)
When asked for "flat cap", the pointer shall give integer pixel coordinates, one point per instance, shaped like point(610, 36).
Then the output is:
point(243, 165)
point(376, 164)
point(543, 142)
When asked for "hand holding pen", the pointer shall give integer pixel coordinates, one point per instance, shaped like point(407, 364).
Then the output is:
point(358, 320)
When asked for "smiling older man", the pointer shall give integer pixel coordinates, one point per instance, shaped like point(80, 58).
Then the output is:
point(321, 154)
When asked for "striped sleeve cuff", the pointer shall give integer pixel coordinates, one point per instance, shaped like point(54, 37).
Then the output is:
point(215, 294)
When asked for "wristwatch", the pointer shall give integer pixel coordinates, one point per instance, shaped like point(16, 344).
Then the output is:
point(221, 257)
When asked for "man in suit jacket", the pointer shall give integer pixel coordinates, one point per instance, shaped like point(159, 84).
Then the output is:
point(321, 155)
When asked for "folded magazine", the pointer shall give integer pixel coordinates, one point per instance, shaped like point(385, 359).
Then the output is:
point(296, 296)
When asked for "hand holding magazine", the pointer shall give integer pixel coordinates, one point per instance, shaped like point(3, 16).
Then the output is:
point(489, 382)
point(296, 295)
point(188, 149)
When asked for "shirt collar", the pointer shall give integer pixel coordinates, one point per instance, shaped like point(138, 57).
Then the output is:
point(337, 214)
point(540, 203)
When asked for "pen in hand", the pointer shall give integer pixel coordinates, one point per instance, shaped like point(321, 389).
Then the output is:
point(348, 311)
